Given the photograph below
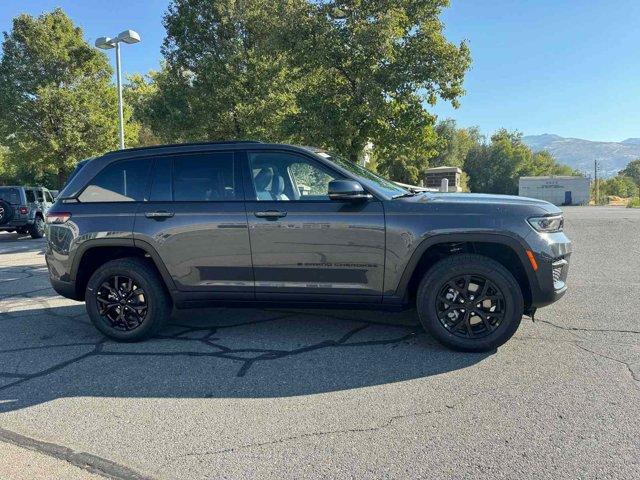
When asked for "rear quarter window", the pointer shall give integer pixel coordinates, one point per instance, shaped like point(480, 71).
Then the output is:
point(11, 195)
point(124, 181)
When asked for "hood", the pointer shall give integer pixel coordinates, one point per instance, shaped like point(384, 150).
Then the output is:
point(485, 199)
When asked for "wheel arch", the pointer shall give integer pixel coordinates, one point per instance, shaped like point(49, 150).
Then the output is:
point(507, 250)
point(93, 253)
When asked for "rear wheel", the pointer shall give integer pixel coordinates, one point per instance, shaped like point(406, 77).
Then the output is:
point(126, 300)
point(470, 302)
point(37, 229)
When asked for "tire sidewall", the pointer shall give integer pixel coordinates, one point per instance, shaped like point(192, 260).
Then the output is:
point(448, 269)
point(155, 303)
point(8, 212)
point(37, 229)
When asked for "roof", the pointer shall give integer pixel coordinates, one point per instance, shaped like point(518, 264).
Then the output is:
point(556, 177)
point(187, 144)
point(444, 169)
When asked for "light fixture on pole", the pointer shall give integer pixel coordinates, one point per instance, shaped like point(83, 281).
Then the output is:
point(107, 43)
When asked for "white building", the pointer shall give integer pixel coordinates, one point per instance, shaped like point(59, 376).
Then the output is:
point(559, 190)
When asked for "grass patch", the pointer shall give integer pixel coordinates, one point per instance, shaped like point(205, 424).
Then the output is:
point(634, 203)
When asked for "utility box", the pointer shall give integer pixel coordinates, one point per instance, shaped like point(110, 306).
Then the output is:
point(433, 178)
point(559, 190)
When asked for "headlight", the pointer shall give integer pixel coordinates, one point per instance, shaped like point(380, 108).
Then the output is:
point(547, 224)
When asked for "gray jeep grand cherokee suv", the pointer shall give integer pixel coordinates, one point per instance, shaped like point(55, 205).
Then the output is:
point(139, 231)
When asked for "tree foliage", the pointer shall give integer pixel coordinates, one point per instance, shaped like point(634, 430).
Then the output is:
point(620, 186)
point(368, 68)
point(496, 167)
point(632, 170)
point(336, 74)
point(57, 103)
point(222, 77)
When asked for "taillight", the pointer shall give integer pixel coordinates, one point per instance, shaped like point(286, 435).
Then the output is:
point(23, 210)
point(58, 217)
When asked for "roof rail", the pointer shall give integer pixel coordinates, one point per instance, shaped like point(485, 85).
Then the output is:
point(220, 142)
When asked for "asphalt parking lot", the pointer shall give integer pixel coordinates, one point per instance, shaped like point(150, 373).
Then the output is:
point(291, 394)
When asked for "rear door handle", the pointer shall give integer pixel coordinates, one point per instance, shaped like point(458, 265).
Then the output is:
point(270, 214)
point(159, 214)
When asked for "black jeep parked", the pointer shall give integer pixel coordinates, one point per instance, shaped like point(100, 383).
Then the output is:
point(137, 232)
point(22, 209)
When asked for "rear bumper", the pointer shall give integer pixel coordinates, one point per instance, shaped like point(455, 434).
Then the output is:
point(65, 289)
point(15, 223)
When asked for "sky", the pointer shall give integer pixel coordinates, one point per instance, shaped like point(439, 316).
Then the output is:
point(569, 67)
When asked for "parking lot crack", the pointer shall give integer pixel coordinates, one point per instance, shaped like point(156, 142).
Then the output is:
point(634, 376)
point(86, 461)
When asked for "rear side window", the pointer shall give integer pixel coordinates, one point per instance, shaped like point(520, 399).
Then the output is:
point(205, 177)
point(11, 195)
point(40, 195)
point(31, 197)
point(124, 181)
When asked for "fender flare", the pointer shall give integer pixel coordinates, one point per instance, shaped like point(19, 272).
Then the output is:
point(515, 243)
point(123, 242)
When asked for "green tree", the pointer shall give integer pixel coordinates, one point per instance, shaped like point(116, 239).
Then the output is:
point(7, 168)
point(496, 167)
point(454, 144)
point(222, 77)
point(619, 186)
point(57, 103)
point(368, 69)
point(632, 170)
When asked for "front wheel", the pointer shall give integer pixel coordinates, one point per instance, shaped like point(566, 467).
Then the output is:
point(126, 300)
point(469, 302)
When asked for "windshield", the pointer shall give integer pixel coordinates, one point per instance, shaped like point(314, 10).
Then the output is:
point(369, 178)
point(11, 195)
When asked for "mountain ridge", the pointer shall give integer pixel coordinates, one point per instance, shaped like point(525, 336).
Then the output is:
point(580, 154)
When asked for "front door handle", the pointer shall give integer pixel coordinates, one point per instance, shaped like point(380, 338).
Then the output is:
point(270, 214)
point(161, 214)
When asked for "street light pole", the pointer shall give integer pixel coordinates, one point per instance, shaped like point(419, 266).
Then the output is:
point(106, 43)
point(120, 107)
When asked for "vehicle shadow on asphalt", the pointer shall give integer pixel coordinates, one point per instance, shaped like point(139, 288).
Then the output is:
point(49, 352)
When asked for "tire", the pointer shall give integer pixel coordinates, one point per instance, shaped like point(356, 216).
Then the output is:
point(100, 300)
point(37, 229)
point(6, 212)
point(482, 326)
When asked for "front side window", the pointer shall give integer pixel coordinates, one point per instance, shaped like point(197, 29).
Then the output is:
point(124, 181)
point(205, 177)
point(48, 197)
point(280, 176)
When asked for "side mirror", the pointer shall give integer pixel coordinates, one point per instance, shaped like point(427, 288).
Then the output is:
point(347, 190)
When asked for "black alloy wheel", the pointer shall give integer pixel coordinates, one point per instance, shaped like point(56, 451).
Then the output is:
point(122, 303)
point(470, 306)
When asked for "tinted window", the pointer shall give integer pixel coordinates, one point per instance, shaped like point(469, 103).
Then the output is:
point(161, 180)
point(11, 195)
point(119, 182)
point(48, 197)
point(205, 177)
point(40, 195)
point(31, 197)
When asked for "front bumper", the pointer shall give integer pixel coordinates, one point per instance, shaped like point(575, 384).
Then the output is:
point(552, 252)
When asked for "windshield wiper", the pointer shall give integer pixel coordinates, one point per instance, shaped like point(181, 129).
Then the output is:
point(406, 194)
